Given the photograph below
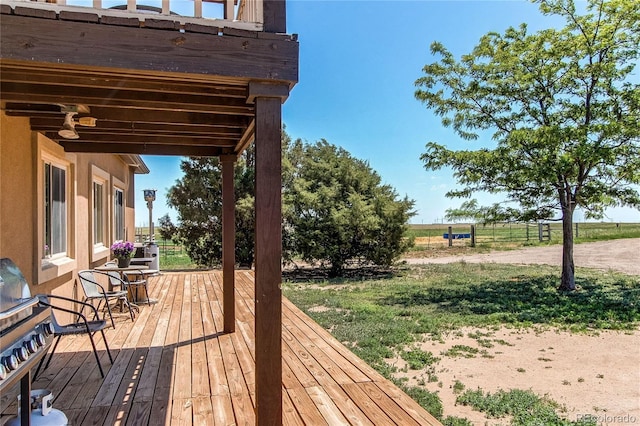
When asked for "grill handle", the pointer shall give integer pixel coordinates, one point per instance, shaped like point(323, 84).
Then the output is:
point(19, 308)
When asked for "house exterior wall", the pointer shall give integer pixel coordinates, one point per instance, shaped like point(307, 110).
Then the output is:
point(22, 155)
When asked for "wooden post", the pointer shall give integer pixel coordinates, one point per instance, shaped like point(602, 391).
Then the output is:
point(268, 272)
point(473, 235)
point(539, 231)
point(274, 16)
point(450, 230)
point(228, 243)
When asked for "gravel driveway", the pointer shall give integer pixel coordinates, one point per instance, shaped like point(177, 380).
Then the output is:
point(621, 255)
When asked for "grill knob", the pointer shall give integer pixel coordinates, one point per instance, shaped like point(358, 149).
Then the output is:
point(30, 345)
point(48, 328)
point(10, 362)
point(3, 371)
point(21, 354)
point(39, 338)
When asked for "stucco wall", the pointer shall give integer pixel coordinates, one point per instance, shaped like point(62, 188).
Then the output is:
point(21, 216)
point(16, 193)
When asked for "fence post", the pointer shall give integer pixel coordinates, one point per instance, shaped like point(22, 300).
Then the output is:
point(473, 235)
point(539, 231)
point(450, 236)
point(577, 235)
point(527, 228)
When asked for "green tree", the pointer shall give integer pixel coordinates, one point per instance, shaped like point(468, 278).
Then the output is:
point(167, 229)
point(563, 105)
point(197, 197)
point(339, 211)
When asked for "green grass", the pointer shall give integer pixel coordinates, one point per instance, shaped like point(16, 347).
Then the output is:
point(381, 318)
point(525, 407)
point(461, 351)
point(175, 262)
point(417, 359)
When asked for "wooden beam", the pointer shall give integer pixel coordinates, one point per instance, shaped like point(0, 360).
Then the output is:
point(270, 90)
point(275, 16)
point(142, 149)
point(124, 127)
point(228, 243)
point(116, 139)
point(70, 94)
point(147, 50)
point(268, 274)
point(134, 116)
point(247, 137)
point(115, 81)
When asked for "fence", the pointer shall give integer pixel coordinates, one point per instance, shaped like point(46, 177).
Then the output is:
point(165, 247)
point(512, 232)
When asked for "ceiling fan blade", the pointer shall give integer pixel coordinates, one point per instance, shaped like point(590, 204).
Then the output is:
point(87, 121)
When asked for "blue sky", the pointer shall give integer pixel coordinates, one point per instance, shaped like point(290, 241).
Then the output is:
point(358, 64)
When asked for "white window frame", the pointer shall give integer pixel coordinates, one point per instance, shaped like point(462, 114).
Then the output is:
point(119, 230)
point(54, 265)
point(56, 219)
point(99, 249)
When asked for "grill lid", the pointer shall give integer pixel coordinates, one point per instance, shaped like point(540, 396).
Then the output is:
point(15, 296)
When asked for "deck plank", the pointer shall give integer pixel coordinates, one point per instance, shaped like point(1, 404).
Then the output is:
point(367, 405)
point(175, 366)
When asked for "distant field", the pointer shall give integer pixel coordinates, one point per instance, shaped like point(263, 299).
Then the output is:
point(430, 237)
point(520, 233)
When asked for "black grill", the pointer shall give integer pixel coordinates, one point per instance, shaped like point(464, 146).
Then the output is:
point(26, 333)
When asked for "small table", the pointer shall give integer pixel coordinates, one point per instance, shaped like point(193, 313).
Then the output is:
point(135, 296)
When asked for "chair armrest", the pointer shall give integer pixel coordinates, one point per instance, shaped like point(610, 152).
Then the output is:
point(70, 311)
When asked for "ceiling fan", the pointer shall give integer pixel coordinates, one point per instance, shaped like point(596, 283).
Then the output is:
point(68, 130)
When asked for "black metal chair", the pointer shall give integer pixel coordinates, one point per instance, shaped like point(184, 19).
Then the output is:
point(81, 326)
point(95, 291)
point(137, 279)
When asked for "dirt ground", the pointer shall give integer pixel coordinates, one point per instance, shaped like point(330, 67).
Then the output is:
point(618, 255)
point(587, 374)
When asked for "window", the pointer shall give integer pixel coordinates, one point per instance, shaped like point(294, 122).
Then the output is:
point(55, 209)
point(98, 213)
point(118, 214)
point(99, 225)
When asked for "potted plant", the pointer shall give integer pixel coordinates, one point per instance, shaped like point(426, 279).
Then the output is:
point(123, 251)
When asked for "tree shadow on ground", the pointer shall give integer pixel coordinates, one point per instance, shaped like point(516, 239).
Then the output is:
point(614, 303)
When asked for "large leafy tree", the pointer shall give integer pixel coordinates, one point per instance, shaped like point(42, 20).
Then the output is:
point(197, 197)
point(339, 211)
point(563, 105)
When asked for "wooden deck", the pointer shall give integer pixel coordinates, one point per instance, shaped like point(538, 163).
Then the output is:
point(174, 365)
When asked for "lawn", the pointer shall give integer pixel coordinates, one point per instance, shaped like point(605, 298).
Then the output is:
point(379, 318)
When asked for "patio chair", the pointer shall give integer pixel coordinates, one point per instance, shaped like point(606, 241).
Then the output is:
point(134, 280)
point(95, 291)
point(81, 326)
point(116, 281)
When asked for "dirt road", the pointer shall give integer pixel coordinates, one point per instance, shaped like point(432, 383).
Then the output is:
point(619, 255)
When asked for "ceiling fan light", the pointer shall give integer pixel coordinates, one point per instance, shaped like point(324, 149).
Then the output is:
point(68, 133)
point(68, 130)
